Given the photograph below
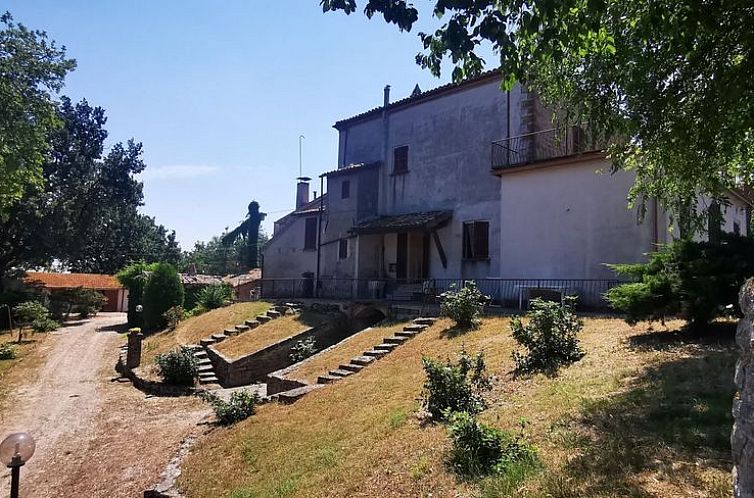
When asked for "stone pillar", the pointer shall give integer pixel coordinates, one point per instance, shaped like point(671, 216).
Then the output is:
point(133, 357)
point(742, 438)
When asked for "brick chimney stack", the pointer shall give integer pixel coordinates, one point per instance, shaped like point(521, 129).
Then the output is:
point(302, 191)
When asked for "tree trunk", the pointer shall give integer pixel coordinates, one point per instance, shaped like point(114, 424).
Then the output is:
point(742, 438)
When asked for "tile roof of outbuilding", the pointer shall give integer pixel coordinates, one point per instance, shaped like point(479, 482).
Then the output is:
point(96, 281)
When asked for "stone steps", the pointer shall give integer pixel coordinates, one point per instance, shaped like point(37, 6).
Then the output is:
point(327, 379)
point(242, 328)
point(340, 373)
point(207, 341)
point(397, 339)
point(386, 346)
point(362, 360)
point(219, 337)
point(252, 324)
point(351, 367)
point(376, 353)
point(293, 395)
point(425, 320)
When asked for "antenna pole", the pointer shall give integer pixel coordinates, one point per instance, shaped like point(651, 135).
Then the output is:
point(300, 156)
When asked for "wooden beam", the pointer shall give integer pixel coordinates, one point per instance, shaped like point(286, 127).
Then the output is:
point(440, 251)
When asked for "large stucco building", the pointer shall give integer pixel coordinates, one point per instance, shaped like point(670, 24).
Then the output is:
point(466, 182)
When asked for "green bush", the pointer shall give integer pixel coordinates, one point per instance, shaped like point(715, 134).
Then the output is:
point(44, 325)
point(162, 291)
point(89, 302)
point(173, 316)
point(215, 296)
point(303, 349)
point(550, 337)
point(479, 450)
point(29, 311)
point(178, 367)
point(7, 351)
point(696, 280)
point(240, 406)
point(455, 386)
point(134, 278)
point(463, 306)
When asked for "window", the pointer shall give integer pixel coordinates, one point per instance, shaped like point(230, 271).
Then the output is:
point(343, 249)
point(476, 240)
point(345, 189)
point(310, 234)
point(400, 160)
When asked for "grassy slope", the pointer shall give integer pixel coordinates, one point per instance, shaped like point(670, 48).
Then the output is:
point(23, 366)
point(192, 330)
point(642, 415)
point(269, 333)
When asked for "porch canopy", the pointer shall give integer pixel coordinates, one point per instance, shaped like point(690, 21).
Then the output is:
point(428, 221)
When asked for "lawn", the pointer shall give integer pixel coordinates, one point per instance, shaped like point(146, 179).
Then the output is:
point(269, 333)
point(24, 358)
point(309, 370)
point(644, 414)
point(190, 331)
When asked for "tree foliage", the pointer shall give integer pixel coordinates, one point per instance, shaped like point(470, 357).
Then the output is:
point(162, 291)
point(671, 79)
point(32, 69)
point(217, 258)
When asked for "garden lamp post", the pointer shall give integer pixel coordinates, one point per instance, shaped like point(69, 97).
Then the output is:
point(15, 451)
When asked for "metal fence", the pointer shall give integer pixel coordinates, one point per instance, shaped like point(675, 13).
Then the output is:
point(543, 146)
point(507, 292)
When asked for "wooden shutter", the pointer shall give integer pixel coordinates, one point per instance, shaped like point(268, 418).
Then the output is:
point(400, 159)
point(310, 234)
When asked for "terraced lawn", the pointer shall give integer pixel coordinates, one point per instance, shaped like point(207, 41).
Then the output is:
point(190, 331)
point(269, 333)
point(644, 414)
point(309, 370)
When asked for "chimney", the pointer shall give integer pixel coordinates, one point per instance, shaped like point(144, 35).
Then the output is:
point(302, 191)
point(386, 100)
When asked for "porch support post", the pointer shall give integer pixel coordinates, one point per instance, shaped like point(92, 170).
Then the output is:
point(355, 283)
point(440, 250)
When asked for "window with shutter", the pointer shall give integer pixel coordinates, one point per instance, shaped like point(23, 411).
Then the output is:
point(345, 189)
point(343, 249)
point(310, 234)
point(476, 240)
point(400, 160)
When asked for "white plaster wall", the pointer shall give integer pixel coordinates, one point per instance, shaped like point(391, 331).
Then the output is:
point(567, 221)
point(284, 254)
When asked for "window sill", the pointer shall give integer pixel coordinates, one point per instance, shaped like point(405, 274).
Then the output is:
point(399, 173)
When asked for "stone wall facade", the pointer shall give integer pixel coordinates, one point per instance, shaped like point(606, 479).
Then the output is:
point(742, 439)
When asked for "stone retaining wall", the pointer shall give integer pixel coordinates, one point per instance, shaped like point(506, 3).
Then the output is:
point(255, 366)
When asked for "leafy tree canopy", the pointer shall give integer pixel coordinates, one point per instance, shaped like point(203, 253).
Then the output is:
point(32, 68)
point(672, 79)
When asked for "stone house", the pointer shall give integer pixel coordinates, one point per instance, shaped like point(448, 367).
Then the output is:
point(466, 181)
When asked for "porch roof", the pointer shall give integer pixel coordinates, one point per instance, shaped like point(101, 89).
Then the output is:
point(426, 221)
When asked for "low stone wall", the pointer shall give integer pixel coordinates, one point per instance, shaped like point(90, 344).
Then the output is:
point(150, 386)
point(255, 366)
point(742, 438)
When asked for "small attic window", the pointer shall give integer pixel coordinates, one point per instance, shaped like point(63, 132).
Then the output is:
point(400, 160)
point(345, 189)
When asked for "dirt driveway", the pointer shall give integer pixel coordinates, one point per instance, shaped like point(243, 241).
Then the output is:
point(95, 437)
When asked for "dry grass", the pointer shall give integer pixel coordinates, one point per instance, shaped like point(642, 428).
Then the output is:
point(309, 370)
point(644, 414)
point(22, 366)
point(190, 331)
point(269, 333)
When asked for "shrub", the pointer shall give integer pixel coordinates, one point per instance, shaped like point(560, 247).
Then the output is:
point(303, 349)
point(89, 302)
point(479, 449)
point(7, 351)
point(162, 291)
point(178, 367)
point(549, 337)
point(29, 311)
point(463, 306)
point(173, 316)
point(455, 386)
point(134, 278)
point(215, 296)
point(240, 406)
point(697, 280)
point(44, 325)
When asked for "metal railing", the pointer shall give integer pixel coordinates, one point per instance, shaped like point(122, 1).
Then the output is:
point(543, 145)
point(506, 292)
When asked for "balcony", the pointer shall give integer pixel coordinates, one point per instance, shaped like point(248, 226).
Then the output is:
point(546, 145)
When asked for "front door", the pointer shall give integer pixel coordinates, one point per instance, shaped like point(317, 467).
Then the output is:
point(401, 259)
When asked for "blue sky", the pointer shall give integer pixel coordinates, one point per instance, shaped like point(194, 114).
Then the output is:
point(218, 93)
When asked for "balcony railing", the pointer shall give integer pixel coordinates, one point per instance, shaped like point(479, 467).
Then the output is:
point(506, 292)
point(544, 145)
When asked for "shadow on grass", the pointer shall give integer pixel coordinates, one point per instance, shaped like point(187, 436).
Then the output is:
point(716, 334)
point(311, 318)
point(455, 331)
point(673, 416)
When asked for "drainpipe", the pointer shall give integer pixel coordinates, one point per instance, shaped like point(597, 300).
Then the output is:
point(385, 133)
point(319, 232)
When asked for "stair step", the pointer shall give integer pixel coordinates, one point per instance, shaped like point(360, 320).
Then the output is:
point(424, 320)
point(252, 323)
point(385, 347)
point(362, 360)
point(397, 339)
point(376, 353)
point(204, 361)
point(200, 355)
point(404, 333)
point(207, 341)
point(229, 332)
point(351, 367)
point(205, 369)
point(291, 396)
point(414, 328)
point(274, 314)
point(340, 373)
point(219, 337)
point(242, 328)
point(263, 318)
point(328, 379)
point(208, 380)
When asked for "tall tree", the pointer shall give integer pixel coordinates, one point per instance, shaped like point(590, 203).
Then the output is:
point(671, 78)
point(32, 69)
point(216, 258)
point(248, 230)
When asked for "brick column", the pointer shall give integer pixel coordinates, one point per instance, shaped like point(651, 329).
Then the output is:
point(742, 438)
point(133, 357)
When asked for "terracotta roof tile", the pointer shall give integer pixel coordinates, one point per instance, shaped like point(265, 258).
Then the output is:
point(72, 280)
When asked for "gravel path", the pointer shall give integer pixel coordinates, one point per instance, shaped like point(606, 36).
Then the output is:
point(95, 437)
